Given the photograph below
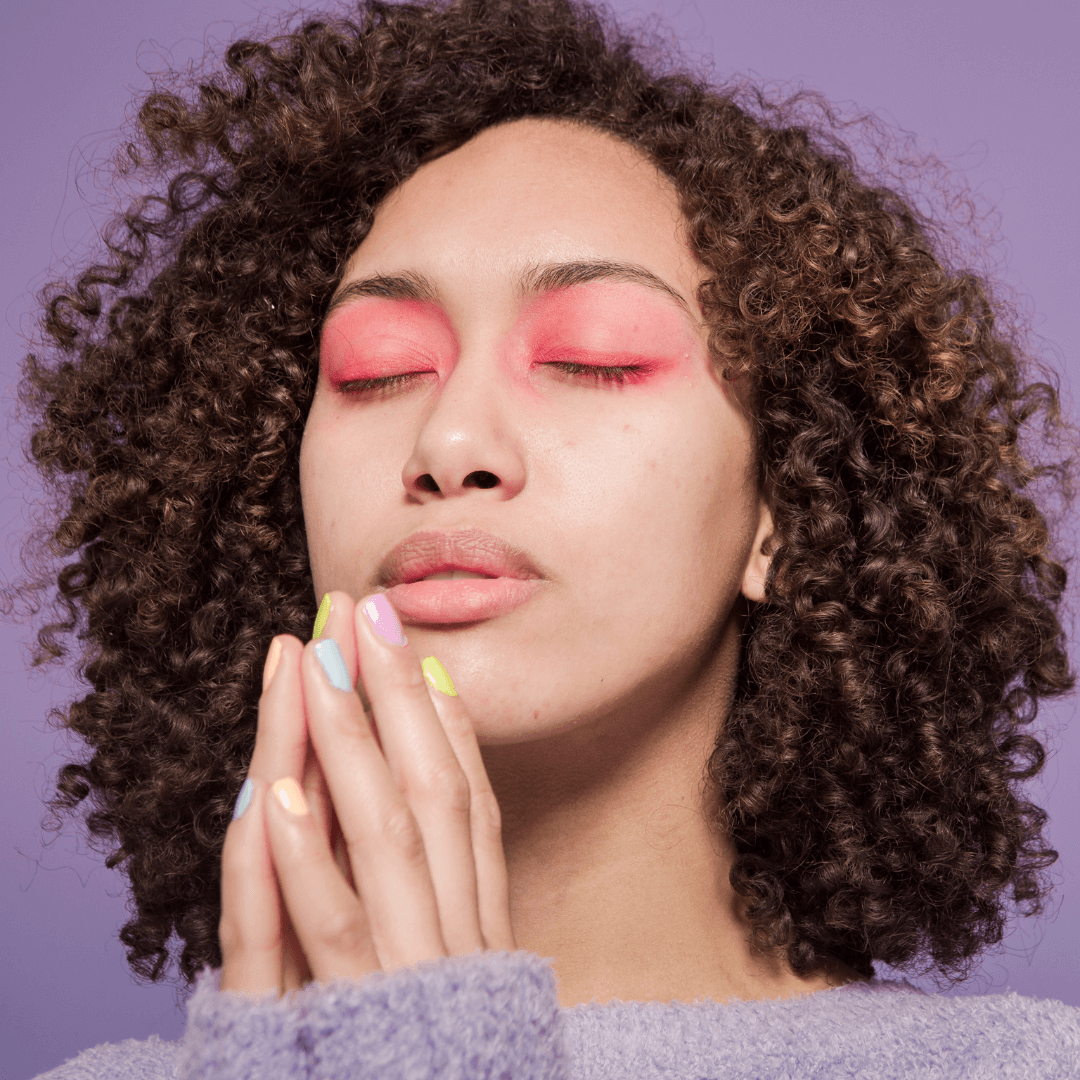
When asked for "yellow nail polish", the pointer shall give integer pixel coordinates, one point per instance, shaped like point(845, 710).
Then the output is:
point(320, 619)
point(273, 657)
point(287, 792)
point(436, 674)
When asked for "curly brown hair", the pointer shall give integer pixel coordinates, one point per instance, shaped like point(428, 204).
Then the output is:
point(870, 771)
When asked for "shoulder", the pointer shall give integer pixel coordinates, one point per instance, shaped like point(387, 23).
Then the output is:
point(132, 1059)
point(1000, 1035)
point(874, 1030)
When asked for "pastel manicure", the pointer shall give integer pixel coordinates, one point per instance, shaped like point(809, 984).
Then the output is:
point(438, 676)
point(288, 793)
point(384, 619)
point(321, 617)
point(333, 663)
point(273, 658)
point(243, 800)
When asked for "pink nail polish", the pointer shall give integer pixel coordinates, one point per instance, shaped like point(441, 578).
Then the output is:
point(384, 619)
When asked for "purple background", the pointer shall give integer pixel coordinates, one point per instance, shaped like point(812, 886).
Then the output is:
point(992, 88)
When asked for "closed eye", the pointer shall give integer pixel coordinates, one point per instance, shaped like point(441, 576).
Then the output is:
point(382, 384)
point(599, 373)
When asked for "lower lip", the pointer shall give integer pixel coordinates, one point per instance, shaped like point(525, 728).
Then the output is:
point(459, 601)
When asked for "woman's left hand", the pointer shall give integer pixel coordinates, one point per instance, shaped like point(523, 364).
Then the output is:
point(418, 818)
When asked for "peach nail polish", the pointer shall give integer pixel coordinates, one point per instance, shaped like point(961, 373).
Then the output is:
point(273, 658)
point(287, 792)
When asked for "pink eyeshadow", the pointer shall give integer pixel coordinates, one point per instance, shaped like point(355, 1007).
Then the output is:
point(606, 324)
point(375, 337)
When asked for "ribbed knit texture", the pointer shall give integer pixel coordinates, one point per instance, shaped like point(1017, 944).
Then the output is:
point(495, 1016)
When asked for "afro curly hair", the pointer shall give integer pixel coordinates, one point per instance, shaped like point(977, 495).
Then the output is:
point(870, 770)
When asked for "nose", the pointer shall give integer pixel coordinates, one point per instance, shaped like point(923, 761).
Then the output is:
point(468, 442)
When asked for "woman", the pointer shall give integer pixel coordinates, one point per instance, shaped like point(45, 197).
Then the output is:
point(681, 592)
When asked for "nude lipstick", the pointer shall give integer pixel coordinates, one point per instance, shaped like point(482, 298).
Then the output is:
point(461, 576)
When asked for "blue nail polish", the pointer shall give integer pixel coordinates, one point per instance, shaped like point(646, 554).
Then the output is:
point(243, 800)
point(333, 663)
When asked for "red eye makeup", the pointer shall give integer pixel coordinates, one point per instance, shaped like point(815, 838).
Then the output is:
point(594, 335)
point(376, 343)
point(605, 333)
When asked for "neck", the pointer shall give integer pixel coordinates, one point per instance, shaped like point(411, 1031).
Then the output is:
point(616, 868)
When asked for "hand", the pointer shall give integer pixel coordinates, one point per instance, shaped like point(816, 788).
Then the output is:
point(399, 856)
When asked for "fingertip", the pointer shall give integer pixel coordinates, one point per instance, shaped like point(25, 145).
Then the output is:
point(437, 676)
point(290, 797)
point(273, 659)
point(381, 618)
point(243, 799)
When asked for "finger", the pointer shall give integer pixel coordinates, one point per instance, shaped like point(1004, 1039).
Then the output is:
point(277, 747)
point(333, 620)
point(425, 768)
point(385, 846)
point(281, 737)
point(249, 929)
point(340, 848)
point(328, 917)
point(485, 820)
point(316, 792)
point(281, 741)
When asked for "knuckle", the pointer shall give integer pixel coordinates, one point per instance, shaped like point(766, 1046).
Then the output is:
point(401, 833)
point(447, 786)
point(486, 816)
point(457, 724)
point(402, 679)
point(342, 933)
point(234, 940)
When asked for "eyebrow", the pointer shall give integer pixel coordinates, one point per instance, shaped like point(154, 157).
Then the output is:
point(407, 286)
point(541, 279)
point(412, 285)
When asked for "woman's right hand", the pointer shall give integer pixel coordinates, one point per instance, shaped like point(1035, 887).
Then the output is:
point(249, 927)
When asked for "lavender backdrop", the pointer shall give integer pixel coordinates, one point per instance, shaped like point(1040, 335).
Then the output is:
point(992, 88)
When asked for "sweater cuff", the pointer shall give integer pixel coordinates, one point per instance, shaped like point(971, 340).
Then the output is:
point(486, 1015)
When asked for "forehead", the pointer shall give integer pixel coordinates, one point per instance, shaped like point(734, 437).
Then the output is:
point(530, 193)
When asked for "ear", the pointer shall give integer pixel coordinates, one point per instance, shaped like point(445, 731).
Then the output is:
point(757, 566)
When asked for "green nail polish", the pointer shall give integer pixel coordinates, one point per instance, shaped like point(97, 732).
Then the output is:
point(437, 675)
point(320, 619)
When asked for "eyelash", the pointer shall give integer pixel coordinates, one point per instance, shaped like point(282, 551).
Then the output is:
point(593, 372)
point(599, 374)
point(387, 382)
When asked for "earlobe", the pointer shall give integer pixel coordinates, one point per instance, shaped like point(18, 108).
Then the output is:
point(757, 566)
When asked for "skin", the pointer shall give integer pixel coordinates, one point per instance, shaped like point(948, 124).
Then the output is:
point(592, 709)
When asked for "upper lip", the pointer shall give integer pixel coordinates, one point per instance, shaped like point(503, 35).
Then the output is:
point(434, 552)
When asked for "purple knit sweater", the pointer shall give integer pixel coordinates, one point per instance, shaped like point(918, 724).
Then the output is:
point(497, 1016)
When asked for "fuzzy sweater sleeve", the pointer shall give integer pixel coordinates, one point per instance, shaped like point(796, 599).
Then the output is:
point(496, 1015)
point(488, 1015)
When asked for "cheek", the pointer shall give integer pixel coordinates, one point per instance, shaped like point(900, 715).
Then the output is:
point(333, 487)
point(666, 489)
point(317, 477)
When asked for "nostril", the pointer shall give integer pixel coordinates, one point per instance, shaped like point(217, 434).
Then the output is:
point(427, 482)
point(481, 479)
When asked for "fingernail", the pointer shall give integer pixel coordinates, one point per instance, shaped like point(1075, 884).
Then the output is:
point(437, 675)
point(272, 658)
point(384, 619)
point(333, 663)
point(288, 793)
point(321, 617)
point(243, 800)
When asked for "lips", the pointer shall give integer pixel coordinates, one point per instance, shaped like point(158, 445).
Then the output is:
point(509, 579)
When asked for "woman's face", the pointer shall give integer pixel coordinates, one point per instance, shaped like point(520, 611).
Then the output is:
point(515, 384)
